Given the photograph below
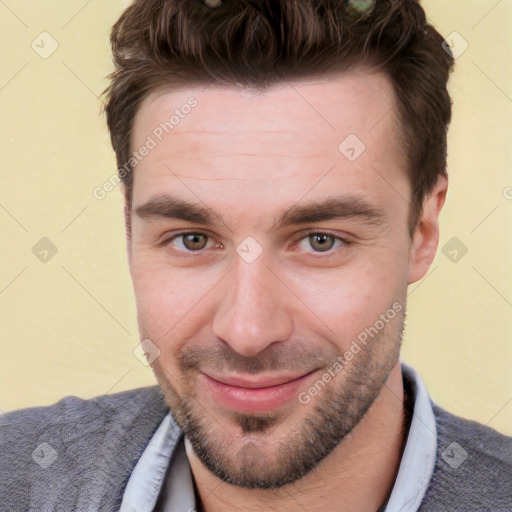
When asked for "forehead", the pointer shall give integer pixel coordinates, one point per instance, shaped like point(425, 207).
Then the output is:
point(284, 136)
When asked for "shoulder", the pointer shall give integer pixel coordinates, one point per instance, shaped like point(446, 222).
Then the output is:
point(89, 413)
point(473, 467)
point(53, 452)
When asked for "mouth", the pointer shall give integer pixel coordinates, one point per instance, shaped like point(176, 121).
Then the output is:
point(250, 393)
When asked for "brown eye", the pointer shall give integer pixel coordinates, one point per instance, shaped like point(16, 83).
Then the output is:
point(194, 241)
point(321, 241)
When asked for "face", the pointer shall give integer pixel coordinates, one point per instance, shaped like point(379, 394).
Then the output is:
point(266, 248)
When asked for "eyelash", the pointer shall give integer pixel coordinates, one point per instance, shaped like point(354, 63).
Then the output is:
point(342, 242)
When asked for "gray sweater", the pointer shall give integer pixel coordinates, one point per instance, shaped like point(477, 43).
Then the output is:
point(77, 455)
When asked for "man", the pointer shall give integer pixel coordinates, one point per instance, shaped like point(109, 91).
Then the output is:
point(284, 166)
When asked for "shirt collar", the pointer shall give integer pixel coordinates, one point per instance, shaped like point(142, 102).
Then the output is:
point(145, 482)
point(165, 459)
point(419, 456)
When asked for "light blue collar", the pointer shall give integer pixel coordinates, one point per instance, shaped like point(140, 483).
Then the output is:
point(419, 457)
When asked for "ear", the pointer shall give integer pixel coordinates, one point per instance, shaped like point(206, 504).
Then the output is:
point(426, 234)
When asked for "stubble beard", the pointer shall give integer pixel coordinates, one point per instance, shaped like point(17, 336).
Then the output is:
point(264, 456)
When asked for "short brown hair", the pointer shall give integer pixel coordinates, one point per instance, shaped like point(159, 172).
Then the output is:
point(163, 44)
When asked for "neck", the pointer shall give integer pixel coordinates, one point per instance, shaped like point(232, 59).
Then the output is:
point(358, 475)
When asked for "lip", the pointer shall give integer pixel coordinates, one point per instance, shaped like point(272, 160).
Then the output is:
point(249, 393)
point(257, 382)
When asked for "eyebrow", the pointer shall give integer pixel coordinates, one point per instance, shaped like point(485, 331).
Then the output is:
point(337, 207)
point(170, 207)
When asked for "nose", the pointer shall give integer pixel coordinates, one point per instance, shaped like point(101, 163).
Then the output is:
point(253, 311)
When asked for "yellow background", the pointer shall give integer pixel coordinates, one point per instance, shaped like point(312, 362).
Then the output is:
point(68, 326)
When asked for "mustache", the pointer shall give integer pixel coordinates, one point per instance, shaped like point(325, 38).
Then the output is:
point(272, 359)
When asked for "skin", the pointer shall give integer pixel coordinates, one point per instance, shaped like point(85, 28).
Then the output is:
point(246, 157)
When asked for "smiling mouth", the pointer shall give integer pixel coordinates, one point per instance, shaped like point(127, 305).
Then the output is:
point(251, 393)
point(258, 382)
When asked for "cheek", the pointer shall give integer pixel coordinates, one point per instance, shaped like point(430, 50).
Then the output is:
point(170, 302)
point(349, 300)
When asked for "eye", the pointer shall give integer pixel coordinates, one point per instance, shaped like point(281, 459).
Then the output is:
point(190, 241)
point(320, 242)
